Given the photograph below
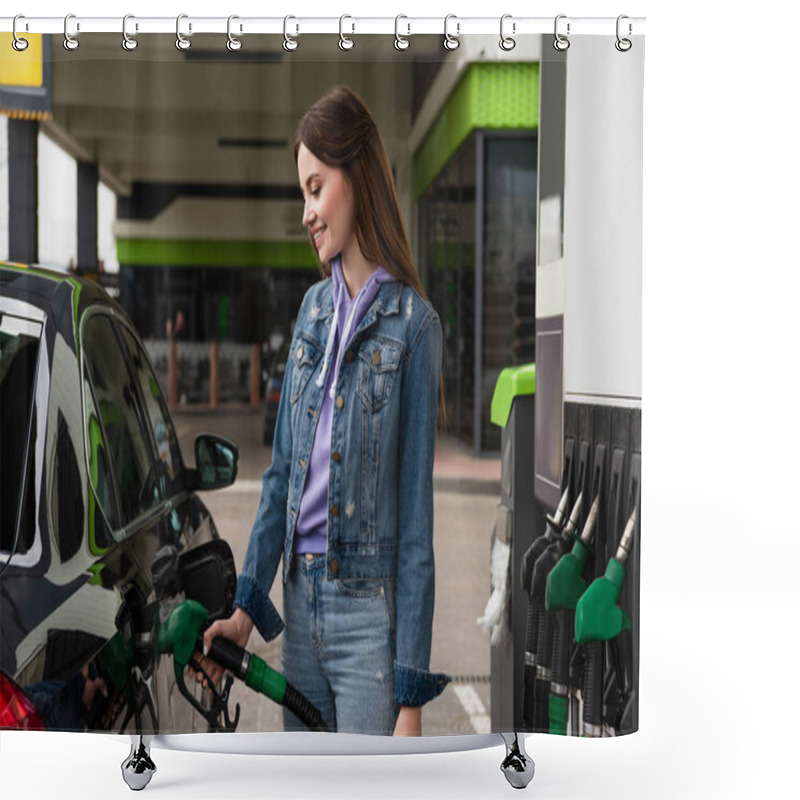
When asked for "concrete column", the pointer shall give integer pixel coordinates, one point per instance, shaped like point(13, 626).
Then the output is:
point(87, 216)
point(255, 376)
point(214, 374)
point(23, 195)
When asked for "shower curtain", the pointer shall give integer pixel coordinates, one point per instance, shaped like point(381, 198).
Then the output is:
point(166, 175)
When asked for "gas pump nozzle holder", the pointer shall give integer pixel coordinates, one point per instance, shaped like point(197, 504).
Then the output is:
point(598, 617)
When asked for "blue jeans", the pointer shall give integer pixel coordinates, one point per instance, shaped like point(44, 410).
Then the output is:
point(337, 648)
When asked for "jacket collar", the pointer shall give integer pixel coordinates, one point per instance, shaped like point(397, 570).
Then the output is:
point(386, 302)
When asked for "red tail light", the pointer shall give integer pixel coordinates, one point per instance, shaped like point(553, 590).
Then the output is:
point(274, 397)
point(16, 710)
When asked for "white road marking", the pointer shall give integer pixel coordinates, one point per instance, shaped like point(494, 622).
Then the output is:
point(244, 487)
point(472, 704)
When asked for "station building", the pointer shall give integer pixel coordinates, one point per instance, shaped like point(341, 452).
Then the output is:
point(171, 177)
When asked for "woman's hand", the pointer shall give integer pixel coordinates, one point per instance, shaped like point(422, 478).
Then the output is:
point(237, 628)
point(409, 722)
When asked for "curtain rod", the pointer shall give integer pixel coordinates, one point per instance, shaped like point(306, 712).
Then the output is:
point(296, 25)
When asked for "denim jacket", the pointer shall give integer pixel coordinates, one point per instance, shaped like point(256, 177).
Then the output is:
point(380, 490)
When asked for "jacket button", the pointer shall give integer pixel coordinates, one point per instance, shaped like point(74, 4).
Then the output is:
point(340, 402)
point(334, 566)
point(336, 457)
point(349, 357)
point(376, 358)
point(300, 352)
point(334, 510)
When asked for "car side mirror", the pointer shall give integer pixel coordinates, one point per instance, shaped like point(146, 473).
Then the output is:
point(216, 460)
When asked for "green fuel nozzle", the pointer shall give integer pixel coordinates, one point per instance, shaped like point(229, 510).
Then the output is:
point(598, 617)
point(181, 636)
point(564, 583)
point(178, 634)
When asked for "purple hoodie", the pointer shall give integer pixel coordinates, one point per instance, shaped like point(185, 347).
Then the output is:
point(312, 521)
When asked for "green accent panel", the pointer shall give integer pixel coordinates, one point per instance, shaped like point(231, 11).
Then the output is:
point(492, 96)
point(559, 712)
point(214, 253)
point(96, 569)
point(513, 382)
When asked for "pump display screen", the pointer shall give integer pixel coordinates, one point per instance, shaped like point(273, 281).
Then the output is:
point(548, 411)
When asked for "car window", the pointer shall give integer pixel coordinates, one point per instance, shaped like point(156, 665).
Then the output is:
point(99, 459)
point(124, 430)
point(19, 347)
point(163, 481)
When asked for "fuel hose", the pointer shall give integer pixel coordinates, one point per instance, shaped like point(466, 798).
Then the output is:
point(554, 526)
point(258, 675)
point(592, 690)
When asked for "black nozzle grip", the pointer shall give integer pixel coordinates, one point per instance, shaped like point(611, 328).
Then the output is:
point(227, 654)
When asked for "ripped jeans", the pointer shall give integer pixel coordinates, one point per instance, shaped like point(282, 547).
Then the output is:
point(337, 648)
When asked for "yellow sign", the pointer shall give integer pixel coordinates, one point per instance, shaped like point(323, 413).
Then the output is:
point(21, 68)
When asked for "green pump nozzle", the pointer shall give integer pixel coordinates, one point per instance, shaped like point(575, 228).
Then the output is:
point(597, 615)
point(180, 635)
point(564, 583)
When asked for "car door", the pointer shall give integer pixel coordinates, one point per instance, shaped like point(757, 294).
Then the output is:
point(138, 476)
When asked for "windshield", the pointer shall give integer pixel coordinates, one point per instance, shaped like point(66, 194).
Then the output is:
point(19, 347)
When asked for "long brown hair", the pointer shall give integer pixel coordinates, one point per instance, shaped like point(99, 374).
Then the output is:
point(341, 132)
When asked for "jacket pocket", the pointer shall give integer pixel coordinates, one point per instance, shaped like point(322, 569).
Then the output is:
point(378, 363)
point(305, 355)
point(360, 587)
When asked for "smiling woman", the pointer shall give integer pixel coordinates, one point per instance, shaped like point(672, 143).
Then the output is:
point(328, 211)
point(359, 585)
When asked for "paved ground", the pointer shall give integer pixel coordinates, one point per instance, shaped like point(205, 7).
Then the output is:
point(466, 493)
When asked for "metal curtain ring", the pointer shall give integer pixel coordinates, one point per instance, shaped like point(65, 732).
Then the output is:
point(19, 44)
point(400, 42)
point(623, 45)
point(128, 42)
point(344, 42)
point(182, 43)
point(289, 42)
point(561, 42)
point(506, 42)
point(234, 43)
point(70, 42)
point(451, 42)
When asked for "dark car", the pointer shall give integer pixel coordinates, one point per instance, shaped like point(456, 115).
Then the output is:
point(101, 529)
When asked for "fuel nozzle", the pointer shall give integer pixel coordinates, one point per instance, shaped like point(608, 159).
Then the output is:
point(549, 558)
point(556, 521)
point(598, 617)
point(554, 527)
point(564, 583)
point(572, 522)
point(626, 542)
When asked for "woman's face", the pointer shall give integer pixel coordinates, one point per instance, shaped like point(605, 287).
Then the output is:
point(329, 206)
